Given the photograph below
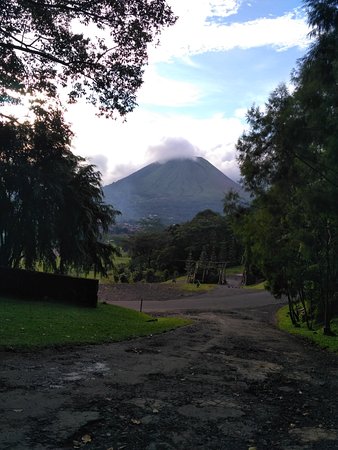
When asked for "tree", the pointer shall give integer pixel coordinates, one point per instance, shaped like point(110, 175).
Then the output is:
point(322, 16)
point(52, 209)
point(289, 162)
point(93, 49)
point(168, 249)
point(144, 248)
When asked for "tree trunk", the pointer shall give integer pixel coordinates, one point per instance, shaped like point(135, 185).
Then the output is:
point(327, 316)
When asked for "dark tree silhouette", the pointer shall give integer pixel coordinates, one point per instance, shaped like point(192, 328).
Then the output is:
point(51, 202)
point(94, 49)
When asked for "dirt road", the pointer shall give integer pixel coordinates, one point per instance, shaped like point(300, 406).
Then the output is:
point(230, 381)
point(222, 298)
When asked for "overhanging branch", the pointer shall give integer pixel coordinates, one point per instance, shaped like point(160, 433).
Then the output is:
point(35, 52)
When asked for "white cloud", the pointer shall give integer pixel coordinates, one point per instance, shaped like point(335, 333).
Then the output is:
point(240, 113)
point(162, 91)
point(100, 162)
point(195, 32)
point(222, 8)
point(199, 10)
point(172, 148)
point(120, 171)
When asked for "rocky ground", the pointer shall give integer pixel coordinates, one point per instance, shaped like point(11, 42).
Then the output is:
point(230, 381)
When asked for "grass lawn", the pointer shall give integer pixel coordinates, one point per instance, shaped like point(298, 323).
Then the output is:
point(316, 336)
point(259, 286)
point(27, 324)
point(235, 270)
point(104, 280)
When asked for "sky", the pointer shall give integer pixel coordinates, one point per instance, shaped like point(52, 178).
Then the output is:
point(219, 59)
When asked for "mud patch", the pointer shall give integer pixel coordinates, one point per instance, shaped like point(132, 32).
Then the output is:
point(311, 434)
point(210, 412)
point(224, 383)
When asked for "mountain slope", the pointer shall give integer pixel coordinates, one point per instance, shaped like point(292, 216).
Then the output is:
point(175, 190)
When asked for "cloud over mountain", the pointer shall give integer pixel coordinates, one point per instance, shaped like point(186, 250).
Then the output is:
point(172, 148)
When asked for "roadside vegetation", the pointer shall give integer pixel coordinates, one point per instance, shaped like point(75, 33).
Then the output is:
point(234, 270)
point(288, 163)
point(259, 286)
point(28, 324)
point(201, 249)
point(316, 335)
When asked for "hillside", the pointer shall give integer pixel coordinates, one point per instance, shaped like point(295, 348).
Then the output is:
point(175, 190)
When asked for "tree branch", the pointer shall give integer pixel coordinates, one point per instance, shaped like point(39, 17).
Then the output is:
point(34, 52)
point(11, 118)
point(76, 9)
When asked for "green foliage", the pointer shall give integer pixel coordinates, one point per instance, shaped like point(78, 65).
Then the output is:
point(149, 276)
point(151, 224)
point(259, 286)
point(51, 202)
point(235, 270)
point(315, 335)
point(123, 277)
point(288, 160)
point(206, 238)
point(30, 324)
point(322, 15)
point(105, 68)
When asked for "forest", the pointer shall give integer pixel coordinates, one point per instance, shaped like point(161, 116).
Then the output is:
point(289, 163)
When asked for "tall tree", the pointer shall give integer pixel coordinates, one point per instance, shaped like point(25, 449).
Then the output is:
point(93, 49)
point(289, 161)
point(52, 208)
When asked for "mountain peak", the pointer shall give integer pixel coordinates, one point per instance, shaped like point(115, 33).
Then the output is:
point(175, 190)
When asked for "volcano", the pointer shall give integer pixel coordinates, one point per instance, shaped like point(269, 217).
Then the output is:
point(175, 191)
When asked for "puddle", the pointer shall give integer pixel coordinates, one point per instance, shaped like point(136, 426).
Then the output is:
point(95, 369)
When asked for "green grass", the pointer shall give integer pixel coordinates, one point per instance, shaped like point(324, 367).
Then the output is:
point(234, 270)
point(27, 324)
point(124, 259)
point(118, 260)
point(259, 286)
point(316, 336)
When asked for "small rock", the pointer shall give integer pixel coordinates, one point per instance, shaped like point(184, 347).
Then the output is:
point(135, 421)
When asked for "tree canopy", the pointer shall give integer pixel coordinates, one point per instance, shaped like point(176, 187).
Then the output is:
point(289, 161)
point(205, 239)
point(93, 49)
point(51, 202)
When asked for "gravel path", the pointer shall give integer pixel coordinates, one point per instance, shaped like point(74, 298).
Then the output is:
point(230, 381)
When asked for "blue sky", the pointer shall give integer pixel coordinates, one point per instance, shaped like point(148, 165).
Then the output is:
point(210, 67)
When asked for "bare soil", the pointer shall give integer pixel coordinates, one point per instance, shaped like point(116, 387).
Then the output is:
point(145, 291)
point(230, 381)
